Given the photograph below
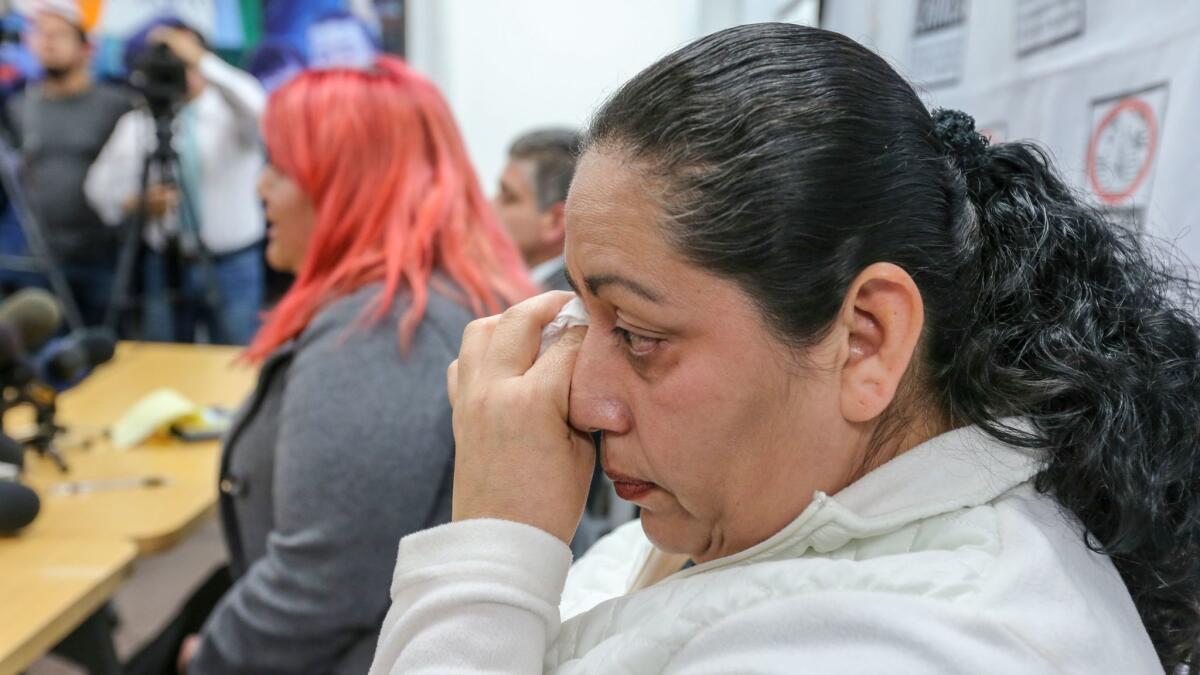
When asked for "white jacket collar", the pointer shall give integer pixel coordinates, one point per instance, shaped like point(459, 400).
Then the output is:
point(963, 468)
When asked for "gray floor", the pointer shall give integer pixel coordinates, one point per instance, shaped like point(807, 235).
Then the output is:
point(149, 598)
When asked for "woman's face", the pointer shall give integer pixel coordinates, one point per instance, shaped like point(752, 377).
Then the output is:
point(734, 430)
point(292, 216)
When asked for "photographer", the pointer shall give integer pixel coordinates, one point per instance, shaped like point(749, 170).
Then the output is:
point(212, 203)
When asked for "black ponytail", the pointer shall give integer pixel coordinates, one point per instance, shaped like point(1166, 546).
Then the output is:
point(791, 158)
point(1081, 330)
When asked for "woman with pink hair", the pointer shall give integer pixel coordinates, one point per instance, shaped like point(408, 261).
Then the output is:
point(346, 444)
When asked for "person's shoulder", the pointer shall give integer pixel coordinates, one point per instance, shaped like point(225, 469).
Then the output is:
point(17, 104)
point(558, 280)
point(844, 633)
point(113, 95)
point(18, 99)
point(342, 318)
point(349, 318)
point(447, 313)
point(349, 304)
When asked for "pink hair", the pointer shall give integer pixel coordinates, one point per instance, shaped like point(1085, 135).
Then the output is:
point(396, 198)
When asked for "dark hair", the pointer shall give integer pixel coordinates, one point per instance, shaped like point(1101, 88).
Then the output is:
point(553, 153)
point(789, 159)
point(136, 44)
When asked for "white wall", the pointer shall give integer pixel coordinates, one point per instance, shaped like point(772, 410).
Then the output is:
point(507, 66)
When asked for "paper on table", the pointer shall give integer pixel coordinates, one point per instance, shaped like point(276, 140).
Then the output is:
point(155, 412)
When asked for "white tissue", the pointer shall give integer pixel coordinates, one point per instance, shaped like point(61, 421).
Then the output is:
point(572, 314)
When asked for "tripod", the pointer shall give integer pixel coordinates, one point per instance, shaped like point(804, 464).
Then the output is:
point(181, 247)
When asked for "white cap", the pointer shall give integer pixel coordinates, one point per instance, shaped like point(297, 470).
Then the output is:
point(67, 9)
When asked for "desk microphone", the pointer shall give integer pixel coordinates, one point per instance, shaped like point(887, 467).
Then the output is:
point(33, 314)
point(19, 505)
point(66, 361)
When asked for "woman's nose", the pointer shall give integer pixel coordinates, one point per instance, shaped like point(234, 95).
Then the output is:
point(597, 403)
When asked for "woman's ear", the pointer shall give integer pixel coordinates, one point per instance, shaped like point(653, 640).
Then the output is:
point(881, 319)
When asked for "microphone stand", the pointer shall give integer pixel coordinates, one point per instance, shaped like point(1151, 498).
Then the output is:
point(45, 406)
point(40, 259)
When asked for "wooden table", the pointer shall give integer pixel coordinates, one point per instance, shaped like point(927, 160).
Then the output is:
point(49, 586)
point(152, 518)
point(58, 571)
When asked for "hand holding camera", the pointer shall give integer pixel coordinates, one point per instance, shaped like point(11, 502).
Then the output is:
point(182, 43)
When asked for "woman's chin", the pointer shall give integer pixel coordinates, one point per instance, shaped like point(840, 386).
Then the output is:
point(276, 260)
point(669, 532)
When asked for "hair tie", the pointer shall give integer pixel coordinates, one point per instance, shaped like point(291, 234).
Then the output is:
point(956, 131)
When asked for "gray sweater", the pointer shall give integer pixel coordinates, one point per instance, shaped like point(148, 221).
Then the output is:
point(59, 139)
point(344, 447)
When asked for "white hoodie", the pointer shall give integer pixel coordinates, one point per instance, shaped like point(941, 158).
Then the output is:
point(944, 560)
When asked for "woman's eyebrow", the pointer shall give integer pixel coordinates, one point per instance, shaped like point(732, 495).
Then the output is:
point(597, 282)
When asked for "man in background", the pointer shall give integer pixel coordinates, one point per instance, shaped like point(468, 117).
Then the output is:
point(532, 194)
point(60, 125)
point(530, 204)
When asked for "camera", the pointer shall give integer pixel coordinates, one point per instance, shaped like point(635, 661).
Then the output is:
point(161, 77)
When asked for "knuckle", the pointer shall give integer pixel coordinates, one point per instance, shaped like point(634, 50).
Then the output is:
point(478, 327)
point(516, 314)
point(479, 397)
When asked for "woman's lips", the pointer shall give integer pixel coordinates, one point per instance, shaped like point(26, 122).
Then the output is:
point(630, 489)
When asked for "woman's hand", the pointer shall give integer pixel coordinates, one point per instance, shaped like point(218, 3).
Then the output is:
point(516, 458)
point(160, 200)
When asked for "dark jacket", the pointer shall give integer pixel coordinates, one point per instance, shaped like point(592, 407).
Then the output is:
point(557, 281)
point(344, 447)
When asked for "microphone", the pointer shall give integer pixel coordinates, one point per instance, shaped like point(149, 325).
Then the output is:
point(19, 505)
point(33, 314)
point(66, 361)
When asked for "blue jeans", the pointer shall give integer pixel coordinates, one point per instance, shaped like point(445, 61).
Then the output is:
point(91, 283)
point(239, 287)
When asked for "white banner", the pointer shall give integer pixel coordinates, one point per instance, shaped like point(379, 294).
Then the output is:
point(124, 17)
point(1111, 88)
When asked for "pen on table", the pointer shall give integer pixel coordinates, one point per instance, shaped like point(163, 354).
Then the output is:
point(86, 486)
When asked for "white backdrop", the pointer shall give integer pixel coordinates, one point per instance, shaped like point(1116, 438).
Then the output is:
point(1110, 87)
point(122, 17)
point(507, 66)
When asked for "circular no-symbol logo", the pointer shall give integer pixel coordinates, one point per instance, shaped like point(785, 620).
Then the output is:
point(1122, 150)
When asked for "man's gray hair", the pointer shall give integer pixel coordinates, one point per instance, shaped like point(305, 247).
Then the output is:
point(553, 153)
